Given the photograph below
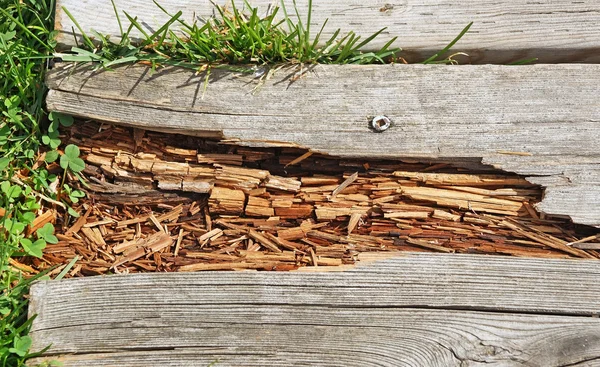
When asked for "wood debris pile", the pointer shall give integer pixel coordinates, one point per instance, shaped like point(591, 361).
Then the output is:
point(161, 202)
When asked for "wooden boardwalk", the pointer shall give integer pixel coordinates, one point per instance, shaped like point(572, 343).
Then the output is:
point(411, 310)
point(397, 309)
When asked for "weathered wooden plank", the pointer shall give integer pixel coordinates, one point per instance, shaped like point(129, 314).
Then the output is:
point(418, 309)
point(552, 30)
point(275, 335)
point(539, 121)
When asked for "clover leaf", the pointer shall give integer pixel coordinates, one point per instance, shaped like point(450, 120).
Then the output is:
point(70, 160)
point(46, 233)
point(51, 156)
point(4, 161)
point(33, 248)
point(51, 139)
point(64, 120)
point(21, 345)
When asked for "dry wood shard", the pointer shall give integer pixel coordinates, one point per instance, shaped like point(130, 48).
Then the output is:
point(138, 248)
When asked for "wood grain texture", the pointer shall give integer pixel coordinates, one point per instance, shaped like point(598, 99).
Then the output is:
point(552, 30)
point(539, 121)
point(414, 310)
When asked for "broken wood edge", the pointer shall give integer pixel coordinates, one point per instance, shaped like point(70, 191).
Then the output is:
point(457, 161)
point(466, 162)
point(488, 160)
point(364, 259)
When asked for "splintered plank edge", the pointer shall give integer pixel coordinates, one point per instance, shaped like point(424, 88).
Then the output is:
point(539, 121)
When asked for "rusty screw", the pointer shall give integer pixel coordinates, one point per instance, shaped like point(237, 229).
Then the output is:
point(380, 123)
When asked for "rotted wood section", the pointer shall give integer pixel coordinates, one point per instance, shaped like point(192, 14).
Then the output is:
point(551, 30)
point(410, 310)
point(539, 121)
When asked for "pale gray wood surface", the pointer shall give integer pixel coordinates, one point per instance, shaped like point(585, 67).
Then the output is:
point(414, 310)
point(550, 113)
point(552, 30)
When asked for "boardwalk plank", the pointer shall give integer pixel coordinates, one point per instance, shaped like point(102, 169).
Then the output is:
point(418, 309)
point(551, 30)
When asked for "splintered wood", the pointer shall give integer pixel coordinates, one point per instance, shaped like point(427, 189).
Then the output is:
point(162, 202)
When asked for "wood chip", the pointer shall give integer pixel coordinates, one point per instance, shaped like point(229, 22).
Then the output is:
point(149, 245)
point(347, 182)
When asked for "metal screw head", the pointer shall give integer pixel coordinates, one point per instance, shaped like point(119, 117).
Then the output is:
point(381, 123)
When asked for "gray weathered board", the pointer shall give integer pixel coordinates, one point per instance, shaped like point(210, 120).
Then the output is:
point(551, 30)
point(410, 310)
point(542, 121)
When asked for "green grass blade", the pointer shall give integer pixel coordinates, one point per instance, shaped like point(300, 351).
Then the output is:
point(82, 52)
point(524, 61)
point(183, 23)
point(86, 39)
point(67, 268)
point(318, 36)
point(450, 45)
point(369, 39)
point(117, 16)
point(347, 48)
point(299, 26)
point(162, 29)
point(75, 58)
point(137, 25)
point(124, 60)
point(286, 17)
point(25, 29)
point(308, 20)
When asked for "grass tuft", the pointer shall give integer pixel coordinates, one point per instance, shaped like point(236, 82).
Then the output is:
point(233, 37)
point(237, 37)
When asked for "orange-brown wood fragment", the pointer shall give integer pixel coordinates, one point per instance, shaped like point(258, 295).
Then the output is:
point(442, 214)
point(415, 215)
point(463, 179)
point(296, 211)
point(141, 247)
point(223, 200)
point(49, 216)
point(93, 235)
point(347, 182)
point(295, 233)
point(462, 200)
point(259, 207)
point(263, 240)
point(244, 179)
point(229, 159)
point(79, 222)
